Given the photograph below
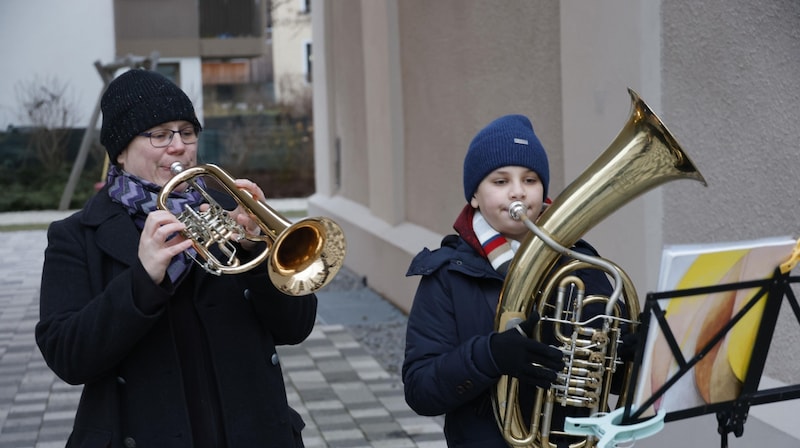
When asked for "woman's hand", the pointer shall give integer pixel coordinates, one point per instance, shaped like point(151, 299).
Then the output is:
point(159, 242)
point(241, 215)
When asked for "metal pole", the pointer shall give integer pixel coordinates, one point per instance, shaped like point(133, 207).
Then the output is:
point(106, 74)
point(80, 160)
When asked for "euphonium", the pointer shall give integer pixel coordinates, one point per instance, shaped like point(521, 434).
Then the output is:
point(303, 257)
point(643, 156)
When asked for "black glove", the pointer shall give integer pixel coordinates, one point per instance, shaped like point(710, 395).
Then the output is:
point(515, 355)
point(628, 346)
point(629, 342)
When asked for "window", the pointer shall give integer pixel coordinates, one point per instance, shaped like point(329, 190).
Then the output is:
point(308, 61)
point(171, 70)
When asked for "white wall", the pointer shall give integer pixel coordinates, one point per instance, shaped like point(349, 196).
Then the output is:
point(59, 40)
point(291, 32)
point(191, 81)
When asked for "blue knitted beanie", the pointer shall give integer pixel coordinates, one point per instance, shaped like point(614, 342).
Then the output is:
point(508, 140)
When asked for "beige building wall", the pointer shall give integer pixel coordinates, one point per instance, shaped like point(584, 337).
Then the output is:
point(412, 85)
point(402, 86)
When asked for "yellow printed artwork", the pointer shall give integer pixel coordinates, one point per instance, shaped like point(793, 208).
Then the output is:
point(696, 320)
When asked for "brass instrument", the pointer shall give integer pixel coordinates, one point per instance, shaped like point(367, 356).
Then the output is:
point(643, 156)
point(303, 257)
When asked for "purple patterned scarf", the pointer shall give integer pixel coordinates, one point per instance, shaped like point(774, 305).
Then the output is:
point(140, 197)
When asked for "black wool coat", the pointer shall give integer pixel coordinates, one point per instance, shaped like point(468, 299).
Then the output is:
point(92, 332)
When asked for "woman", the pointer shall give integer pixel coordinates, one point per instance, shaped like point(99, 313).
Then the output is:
point(169, 355)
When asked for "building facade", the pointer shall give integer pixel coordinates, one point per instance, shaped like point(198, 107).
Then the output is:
point(212, 42)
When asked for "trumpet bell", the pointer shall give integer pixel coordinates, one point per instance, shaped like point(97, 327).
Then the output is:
point(307, 256)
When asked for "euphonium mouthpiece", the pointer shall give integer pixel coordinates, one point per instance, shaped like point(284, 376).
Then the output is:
point(517, 210)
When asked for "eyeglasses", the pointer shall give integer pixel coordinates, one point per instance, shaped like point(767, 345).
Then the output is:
point(163, 137)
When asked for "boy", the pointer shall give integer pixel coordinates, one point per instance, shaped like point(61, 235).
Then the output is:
point(453, 356)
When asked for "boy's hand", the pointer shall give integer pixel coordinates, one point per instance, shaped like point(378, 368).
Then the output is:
point(528, 360)
point(629, 345)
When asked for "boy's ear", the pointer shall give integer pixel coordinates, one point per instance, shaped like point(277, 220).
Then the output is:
point(473, 202)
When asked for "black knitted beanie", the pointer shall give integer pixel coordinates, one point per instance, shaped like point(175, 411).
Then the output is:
point(136, 101)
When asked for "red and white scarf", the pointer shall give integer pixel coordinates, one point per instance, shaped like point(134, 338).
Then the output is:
point(497, 248)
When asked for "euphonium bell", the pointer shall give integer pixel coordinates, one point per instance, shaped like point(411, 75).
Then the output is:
point(643, 156)
point(303, 257)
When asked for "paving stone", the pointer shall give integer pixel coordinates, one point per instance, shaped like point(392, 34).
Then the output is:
point(338, 420)
point(370, 413)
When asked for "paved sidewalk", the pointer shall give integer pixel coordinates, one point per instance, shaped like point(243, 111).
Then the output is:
point(343, 393)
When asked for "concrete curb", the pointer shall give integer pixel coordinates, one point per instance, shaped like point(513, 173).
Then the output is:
point(32, 217)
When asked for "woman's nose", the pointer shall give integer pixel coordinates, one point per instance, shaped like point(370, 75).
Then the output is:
point(176, 145)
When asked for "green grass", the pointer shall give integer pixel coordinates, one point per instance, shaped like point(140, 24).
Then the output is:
point(18, 227)
point(294, 215)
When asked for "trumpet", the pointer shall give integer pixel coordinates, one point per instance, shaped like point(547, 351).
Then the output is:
point(301, 257)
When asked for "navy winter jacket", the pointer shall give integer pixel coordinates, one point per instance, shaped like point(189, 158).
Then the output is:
point(448, 367)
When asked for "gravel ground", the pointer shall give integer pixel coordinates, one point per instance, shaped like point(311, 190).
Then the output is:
point(385, 340)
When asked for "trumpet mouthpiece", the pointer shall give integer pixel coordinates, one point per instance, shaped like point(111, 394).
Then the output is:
point(176, 167)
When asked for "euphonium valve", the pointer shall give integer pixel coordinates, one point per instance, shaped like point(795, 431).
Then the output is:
point(301, 257)
point(643, 156)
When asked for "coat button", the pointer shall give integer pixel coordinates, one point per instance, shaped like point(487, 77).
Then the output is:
point(121, 380)
point(463, 387)
point(247, 294)
point(274, 359)
point(129, 442)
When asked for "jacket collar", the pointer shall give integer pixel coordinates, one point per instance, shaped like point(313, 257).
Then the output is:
point(455, 254)
point(115, 234)
point(463, 226)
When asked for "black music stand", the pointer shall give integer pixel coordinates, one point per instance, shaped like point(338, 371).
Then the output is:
point(731, 415)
